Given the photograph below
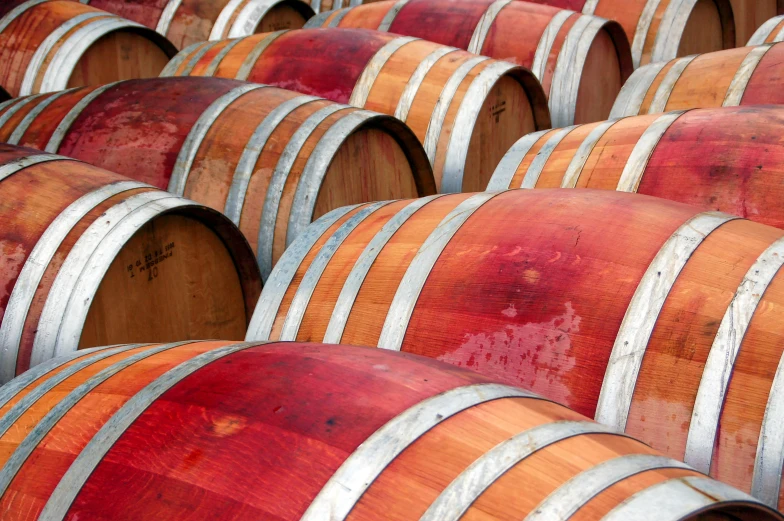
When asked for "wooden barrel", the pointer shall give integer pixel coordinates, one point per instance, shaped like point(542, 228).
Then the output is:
point(185, 22)
point(744, 76)
point(581, 60)
point(730, 160)
point(770, 32)
point(90, 257)
point(656, 318)
point(466, 110)
point(661, 30)
point(293, 431)
point(752, 15)
point(270, 159)
point(50, 45)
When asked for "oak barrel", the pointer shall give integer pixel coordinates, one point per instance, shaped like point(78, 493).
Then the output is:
point(467, 110)
point(185, 22)
point(744, 76)
point(652, 316)
point(50, 45)
point(270, 159)
point(770, 32)
point(730, 160)
point(581, 60)
point(661, 30)
point(291, 431)
point(91, 258)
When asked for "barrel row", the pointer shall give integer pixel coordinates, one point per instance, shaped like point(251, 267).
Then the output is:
point(358, 433)
point(745, 76)
point(582, 61)
point(271, 160)
point(50, 45)
point(467, 110)
point(90, 257)
point(657, 319)
point(770, 32)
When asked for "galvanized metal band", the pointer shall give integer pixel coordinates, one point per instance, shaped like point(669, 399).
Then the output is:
point(438, 116)
point(16, 12)
point(216, 61)
point(250, 17)
point(671, 28)
point(541, 158)
point(18, 104)
point(570, 497)
point(677, 499)
point(65, 124)
point(6, 104)
point(197, 133)
point(196, 57)
point(643, 150)
point(251, 153)
point(761, 35)
point(64, 285)
point(576, 165)
point(250, 60)
point(275, 286)
point(338, 17)
point(402, 307)
point(662, 96)
point(620, 378)
point(545, 45)
point(741, 79)
point(318, 20)
point(12, 167)
point(720, 364)
point(352, 285)
point(569, 66)
point(53, 39)
point(337, 4)
point(633, 92)
point(386, 22)
point(484, 25)
point(29, 444)
point(416, 79)
point(303, 206)
point(35, 266)
point(465, 489)
point(365, 82)
point(167, 16)
point(301, 299)
point(179, 59)
point(641, 32)
point(21, 128)
point(368, 461)
point(271, 208)
point(769, 460)
point(507, 167)
point(590, 6)
point(315, 5)
point(779, 36)
point(463, 127)
point(75, 477)
point(354, 3)
point(220, 27)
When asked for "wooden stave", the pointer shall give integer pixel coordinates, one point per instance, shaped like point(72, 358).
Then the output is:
point(60, 56)
point(396, 390)
point(361, 47)
point(94, 138)
point(55, 249)
point(741, 77)
point(474, 29)
point(577, 371)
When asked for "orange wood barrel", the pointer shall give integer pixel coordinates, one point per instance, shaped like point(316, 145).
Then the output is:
point(581, 60)
point(185, 22)
point(467, 110)
point(292, 431)
point(90, 257)
point(661, 30)
point(770, 32)
point(751, 15)
point(50, 45)
point(744, 76)
point(730, 160)
point(654, 317)
point(270, 159)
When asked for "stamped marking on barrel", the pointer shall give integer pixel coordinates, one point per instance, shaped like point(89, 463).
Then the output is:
point(149, 263)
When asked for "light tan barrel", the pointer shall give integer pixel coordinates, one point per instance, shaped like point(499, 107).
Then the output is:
point(770, 32)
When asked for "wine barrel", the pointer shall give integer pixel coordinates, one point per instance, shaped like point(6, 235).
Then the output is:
point(50, 45)
point(270, 159)
point(730, 160)
point(751, 16)
point(661, 30)
point(90, 257)
point(745, 76)
point(185, 22)
point(581, 60)
point(292, 431)
point(467, 110)
point(770, 32)
point(656, 318)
